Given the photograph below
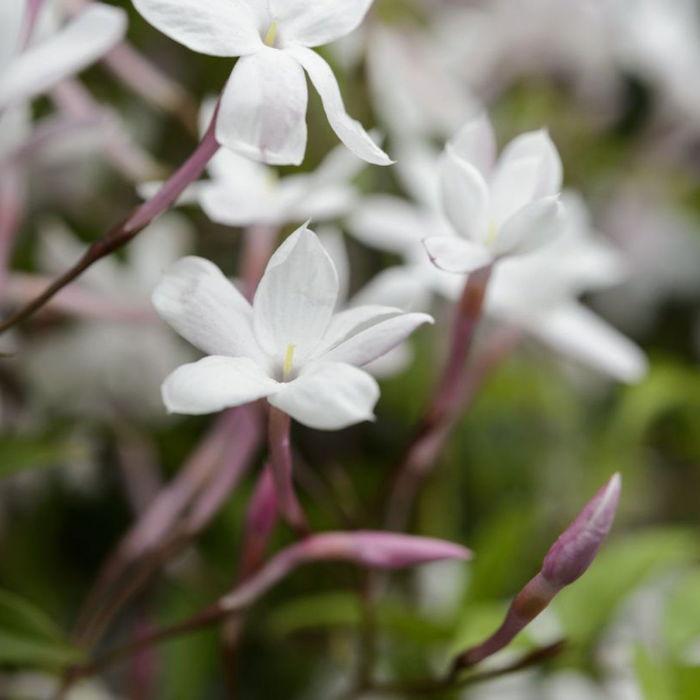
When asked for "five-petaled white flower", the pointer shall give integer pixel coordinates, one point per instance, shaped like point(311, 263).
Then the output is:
point(289, 346)
point(263, 107)
point(498, 209)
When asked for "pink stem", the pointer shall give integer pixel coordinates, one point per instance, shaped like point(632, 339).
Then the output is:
point(11, 212)
point(422, 452)
point(131, 226)
point(281, 466)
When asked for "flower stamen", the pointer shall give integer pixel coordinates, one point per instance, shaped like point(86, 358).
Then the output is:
point(288, 362)
point(271, 35)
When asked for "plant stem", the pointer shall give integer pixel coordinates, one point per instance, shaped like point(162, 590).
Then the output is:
point(426, 444)
point(281, 466)
point(124, 232)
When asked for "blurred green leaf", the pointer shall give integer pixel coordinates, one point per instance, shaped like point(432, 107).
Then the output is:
point(19, 453)
point(654, 676)
point(29, 637)
point(682, 618)
point(587, 605)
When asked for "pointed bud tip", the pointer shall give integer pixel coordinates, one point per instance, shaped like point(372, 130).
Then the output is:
point(577, 547)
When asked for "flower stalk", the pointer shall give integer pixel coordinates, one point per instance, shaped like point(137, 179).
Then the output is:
point(424, 448)
point(567, 560)
point(128, 229)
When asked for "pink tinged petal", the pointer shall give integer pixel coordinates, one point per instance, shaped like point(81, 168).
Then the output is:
point(81, 42)
point(579, 333)
point(296, 297)
point(456, 255)
point(371, 343)
point(575, 550)
point(263, 109)
point(205, 308)
point(329, 396)
point(476, 143)
point(530, 228)
point(465, 196)
point(212, 27)
point(348, 130)
point(539, 146)
point(382, 550)
point(215, 383)
point(318, 22)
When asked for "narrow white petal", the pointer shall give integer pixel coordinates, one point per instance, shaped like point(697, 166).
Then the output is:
point(263, 109)
point(475, 142)
point(334, 243)
point(215, 383)
point(202, 305)
point(11, 20)
point(351, 321)
point(213, 27)
point(81, 42)
point(373, 342)
point(318, 22)
point(388, 223)
point(530, 228)
point(229, 205)
point(349, 131)
point(402, 286)
point(537, 145)
point(453, 254)
point(579, 333)
point(296, 297)
point(329, 396)
point(465, 196)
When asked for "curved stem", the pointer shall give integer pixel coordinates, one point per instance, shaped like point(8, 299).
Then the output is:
point(121, 234)
point(444, 408)
point(281, 466)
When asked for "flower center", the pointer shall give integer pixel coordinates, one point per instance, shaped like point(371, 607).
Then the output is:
point(288, 362)
point(271, 35)
point(492, 233)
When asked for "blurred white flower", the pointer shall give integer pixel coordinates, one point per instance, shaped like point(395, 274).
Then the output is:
point(115, 354)
point(498, 208)
point(290, 346)
point(263, 107)
point(537, 293)
point(27, 70)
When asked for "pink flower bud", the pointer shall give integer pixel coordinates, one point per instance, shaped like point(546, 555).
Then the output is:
point(383, 550)
point(576, 548)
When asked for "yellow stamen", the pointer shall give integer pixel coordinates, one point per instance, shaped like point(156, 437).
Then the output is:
point(288, 362)
point(271, 34)
point(493, 232)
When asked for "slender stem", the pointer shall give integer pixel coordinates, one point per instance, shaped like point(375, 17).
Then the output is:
point(124, 232)
point(11, 211)
point(281, 466)
point(443, 410)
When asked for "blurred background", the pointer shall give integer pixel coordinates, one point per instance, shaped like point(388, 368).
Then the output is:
point(85, 442)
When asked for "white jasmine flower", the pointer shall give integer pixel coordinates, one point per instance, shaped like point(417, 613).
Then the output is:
point(497, 209)
point(289, 346)
point(26, 71)
point(263, 106)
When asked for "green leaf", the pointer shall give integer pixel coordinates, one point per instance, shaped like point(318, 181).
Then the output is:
point(654, 676)
point(19, 453)
point(586, 606)
point(28, 637)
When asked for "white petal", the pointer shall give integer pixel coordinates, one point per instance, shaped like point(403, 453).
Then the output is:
point(347, 323)
point(391, 364)
point(227, 204)
point(349, 131)
point(464, 196)
point(513, 187)
point(329, 396)
point(317, 22)
point(372, 342)
point(388, 223)
point(537, 145)
point(215, 383)
point(476, 143)
point(296, 297)
point(202, 305)
point(263, 109)
point(11, 21)
point(581, 334)
point(213, 27)
point(530, 228)
point(81, 42)
point(334, 243)
point(453, 254)
point(402, 287)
